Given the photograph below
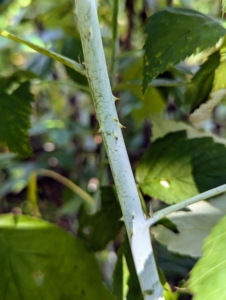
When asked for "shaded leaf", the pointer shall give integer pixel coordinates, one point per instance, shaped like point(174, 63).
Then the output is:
point(41, 65)
point(55, 15)
point(73, 49)
point(173, 264)
point(120, 276)
point(39, 260)
point(204, 111)
point(176, 168)
point(193, 226)
point(207, 279)
point(104, 226)
point(172, 36)
point(130, 280)
point(16, 77)
point(4, 5)
point(15, 110)
point(198, 89)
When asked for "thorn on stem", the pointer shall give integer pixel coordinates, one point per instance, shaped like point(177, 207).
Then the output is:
point(90, 32)
point(121, 126)
point(114, 119)
point(116, 98)
point(115, 135)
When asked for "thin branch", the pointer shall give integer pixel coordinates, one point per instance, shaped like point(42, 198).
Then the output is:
point(63, 59)
point(75, 85)
point(168, 210)
point(68, 183)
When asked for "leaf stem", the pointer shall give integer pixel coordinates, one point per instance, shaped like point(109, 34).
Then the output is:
point(165, 211)
point(63, 59)
point(74, 85)
point(68, 183)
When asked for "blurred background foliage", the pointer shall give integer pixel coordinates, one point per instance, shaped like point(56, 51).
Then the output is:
point(64, 133)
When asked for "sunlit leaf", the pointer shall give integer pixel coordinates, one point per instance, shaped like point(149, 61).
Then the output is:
point(174, 34)
point(38, 260)
point(207, 279)
point(220, 72)
point(223, 6)
point(176, 168)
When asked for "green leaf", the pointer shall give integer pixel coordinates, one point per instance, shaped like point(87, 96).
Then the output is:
point(198, 89)
point(120, 276)
point(220, 72)
point(208, 276)
point(176, 168)
point(152, 102)
point(174, 34)
point(193, 226)
point(105, 225)
point(38, 260)
point(73, 50)
point(16, 77)
point(125, 280)
point(223, 7)
point(15, 110)
point(172, 264)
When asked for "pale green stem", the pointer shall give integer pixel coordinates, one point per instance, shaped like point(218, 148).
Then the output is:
point(75, 85)
point(64, 60)
point(110, 127)
point(68, 183)
point(168, 210)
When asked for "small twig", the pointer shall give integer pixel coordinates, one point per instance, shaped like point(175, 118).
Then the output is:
point(68, 183)
point(165, 211)
point(63, 59)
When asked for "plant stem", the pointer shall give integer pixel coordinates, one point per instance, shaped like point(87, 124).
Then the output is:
point(104, 102)
point(165, 211)
point(63, 59)
point(68, 183)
